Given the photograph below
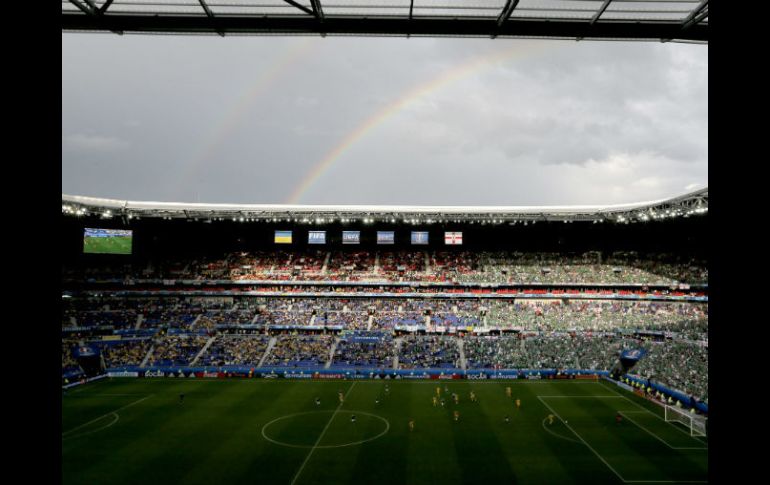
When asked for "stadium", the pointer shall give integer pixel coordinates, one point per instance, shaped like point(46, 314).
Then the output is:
point(273, 307)
point(293, 343)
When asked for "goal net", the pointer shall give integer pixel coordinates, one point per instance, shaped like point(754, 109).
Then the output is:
point(694, 422)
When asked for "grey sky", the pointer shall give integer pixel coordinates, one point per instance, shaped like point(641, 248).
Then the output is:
point(397, 121)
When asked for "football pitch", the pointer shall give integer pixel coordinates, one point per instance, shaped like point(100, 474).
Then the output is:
point(227, 431)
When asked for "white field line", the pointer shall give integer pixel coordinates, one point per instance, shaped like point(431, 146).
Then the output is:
point(662, 419)
point(321, 435)
point(107, 414)
point(78, 435)
point(581, 439)
point(661, 439)
point(558, 435)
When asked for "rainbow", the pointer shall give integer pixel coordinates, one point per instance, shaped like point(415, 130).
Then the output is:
point(234, 115)
point(452, 75)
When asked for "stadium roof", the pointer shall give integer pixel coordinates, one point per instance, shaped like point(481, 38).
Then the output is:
point(682, 206)
point(659, 20)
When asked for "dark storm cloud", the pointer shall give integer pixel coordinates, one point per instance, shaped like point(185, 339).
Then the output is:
point(247, 119)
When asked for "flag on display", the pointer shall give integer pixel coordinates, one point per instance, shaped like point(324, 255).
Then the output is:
point(453, 238)
point(282, 237)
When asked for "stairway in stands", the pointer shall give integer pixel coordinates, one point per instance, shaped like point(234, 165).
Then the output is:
point(203, 350)
point(147, 356)
point(269, 349)
point(331, 353)
point(461, 347)
point(396, 350)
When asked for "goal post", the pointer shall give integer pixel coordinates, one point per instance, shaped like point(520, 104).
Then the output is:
point(694, 422)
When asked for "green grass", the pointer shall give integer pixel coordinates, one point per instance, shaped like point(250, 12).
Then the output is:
point(136, 431)
point(107, 245)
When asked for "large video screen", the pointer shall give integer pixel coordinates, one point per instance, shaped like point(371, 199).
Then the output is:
point(107, 241)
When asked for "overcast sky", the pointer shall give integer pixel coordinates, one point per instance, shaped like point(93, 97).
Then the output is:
point(382, 120)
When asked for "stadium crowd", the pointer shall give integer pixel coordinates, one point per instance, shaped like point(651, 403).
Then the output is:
point(301, 350)
point(371, 352)
point(419, 266)
point(235, 350)
point(126, 352)
point(551, 333)
point(428, 352)
point(679, 365)
point(176, 350)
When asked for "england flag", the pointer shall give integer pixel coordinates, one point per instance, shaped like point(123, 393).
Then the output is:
point(453, 238)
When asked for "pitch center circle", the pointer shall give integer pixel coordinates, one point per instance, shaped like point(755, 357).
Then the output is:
point(334, 413)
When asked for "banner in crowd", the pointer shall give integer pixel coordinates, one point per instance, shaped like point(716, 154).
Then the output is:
point(453, 238)
point(386, 237)
point(316, 237)
point(351, 237)
point(632, 355)
point(419, 237)
point(85, 351)
point(282, 237)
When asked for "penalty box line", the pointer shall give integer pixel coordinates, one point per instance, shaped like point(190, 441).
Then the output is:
point(658, 437)
point(107, 414)
point(320, 437)
point(654, 414)
point(581, 439)
point(605, 461)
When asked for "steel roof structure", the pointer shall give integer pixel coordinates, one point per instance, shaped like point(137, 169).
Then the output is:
point(650, 20)
point(682, 206)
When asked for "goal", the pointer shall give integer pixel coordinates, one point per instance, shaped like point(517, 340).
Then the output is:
point(694, 422)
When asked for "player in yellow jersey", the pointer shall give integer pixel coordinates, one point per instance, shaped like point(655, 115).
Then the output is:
point(435, 401)
point(438, 391)
point(508, 391)
point(342, 398)
point(473, 396)
point(411, 425)
point(518, 403)
point(457, 398)
point(550, 419)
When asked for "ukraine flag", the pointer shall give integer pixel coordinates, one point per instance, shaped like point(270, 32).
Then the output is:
point(282, 237)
